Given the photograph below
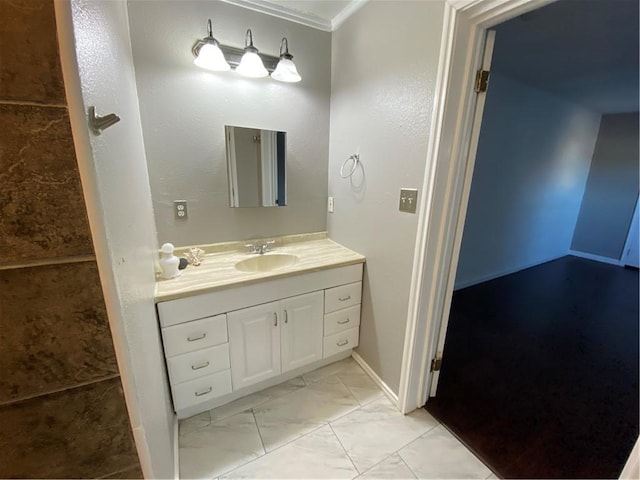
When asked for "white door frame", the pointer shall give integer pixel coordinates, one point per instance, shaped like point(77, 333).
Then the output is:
point(445, 191)
point(446, 185)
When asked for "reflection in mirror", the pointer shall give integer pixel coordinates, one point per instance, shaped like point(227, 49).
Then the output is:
point(256, 167)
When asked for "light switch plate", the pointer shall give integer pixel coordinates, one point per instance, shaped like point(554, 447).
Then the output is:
point(408, 200)
point(180, 207)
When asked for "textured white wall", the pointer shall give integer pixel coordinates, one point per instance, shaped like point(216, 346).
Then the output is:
point(116, 187)
point(184, 110)
point(529, 179)
point(384, 61)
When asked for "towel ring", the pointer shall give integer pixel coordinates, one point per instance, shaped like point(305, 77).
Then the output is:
point(356, 160)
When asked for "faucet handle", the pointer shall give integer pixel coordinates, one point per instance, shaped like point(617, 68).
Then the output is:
point(264, 248)
point(252, 248)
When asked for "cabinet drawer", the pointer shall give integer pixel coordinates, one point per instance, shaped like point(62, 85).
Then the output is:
point(342, 297)
point(191, 336)
point(340, 341)
point(198, 364)
point(341, 320)
point(201, 390)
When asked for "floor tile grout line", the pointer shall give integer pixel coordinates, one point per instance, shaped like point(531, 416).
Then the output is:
point(255, 420)
point(265, 400)
point(196, 429)
point(358, 408)
point(345, 450)
point(337, 375)
point(350, 391)
point(415, 475)
point(275, 449)
point(327, 423)
point(225, 472)
point(381, 461)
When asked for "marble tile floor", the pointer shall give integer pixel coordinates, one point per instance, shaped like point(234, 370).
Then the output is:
point(333, 422)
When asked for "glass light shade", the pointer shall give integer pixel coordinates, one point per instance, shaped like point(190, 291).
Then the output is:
point(251, 66)
point(211, 57)
point(286, 71)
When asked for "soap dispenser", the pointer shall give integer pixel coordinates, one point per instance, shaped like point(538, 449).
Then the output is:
point(169, 263)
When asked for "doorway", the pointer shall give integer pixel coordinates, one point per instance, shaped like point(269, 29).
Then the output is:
point(554, 197)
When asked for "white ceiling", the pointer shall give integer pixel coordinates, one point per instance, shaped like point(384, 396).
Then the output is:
point(586, 51)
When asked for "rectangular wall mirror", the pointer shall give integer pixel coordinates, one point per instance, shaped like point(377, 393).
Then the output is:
point(256, 167)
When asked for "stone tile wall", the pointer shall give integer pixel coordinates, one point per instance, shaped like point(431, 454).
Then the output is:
point(62, 409)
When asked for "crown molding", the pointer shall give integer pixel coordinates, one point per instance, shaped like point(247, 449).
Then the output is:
point(279, 11)
point(308, 19)
point(346, 12)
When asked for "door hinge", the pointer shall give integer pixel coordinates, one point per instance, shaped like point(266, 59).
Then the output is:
point(482, 81)
point(436, 363)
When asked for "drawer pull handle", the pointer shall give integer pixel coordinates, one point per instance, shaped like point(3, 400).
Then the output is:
point(286, 317)
point(275, 319)
point(342, 322)
point(198, 367)
point(193, 339)
point(342, 343)
point(199, 394)
point(344, 299)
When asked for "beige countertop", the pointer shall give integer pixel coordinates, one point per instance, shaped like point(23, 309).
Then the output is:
point(217, 270)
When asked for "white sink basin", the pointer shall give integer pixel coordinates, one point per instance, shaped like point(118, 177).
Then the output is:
point(266, 262)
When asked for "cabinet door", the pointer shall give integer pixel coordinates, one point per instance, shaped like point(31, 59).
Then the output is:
point(254, 344)
point(302, 320)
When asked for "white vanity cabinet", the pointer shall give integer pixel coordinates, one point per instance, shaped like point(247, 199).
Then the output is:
point(275, 337)
point(227, 343)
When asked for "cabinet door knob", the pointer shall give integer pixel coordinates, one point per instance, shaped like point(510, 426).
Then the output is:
point(198, 367)
point(342, 322)
point(204, 392)
point(342, 343)
point(193, 339)
point(286, 317)
point(275, 319)
point(344, 299)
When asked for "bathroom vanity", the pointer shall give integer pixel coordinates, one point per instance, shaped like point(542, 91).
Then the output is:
point(241, 322)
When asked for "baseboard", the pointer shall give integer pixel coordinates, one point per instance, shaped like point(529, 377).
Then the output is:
point(502, 273)
point(597, 258)
point(176, 449)
point(374, 376)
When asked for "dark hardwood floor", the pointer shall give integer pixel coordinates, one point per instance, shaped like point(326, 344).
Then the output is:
point(540, 370)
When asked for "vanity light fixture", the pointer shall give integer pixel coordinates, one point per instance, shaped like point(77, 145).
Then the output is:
point(286, 70)
point(251, 64)
point(208, 54)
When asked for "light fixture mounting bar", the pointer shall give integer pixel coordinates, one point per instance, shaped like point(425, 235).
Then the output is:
point(233, 56)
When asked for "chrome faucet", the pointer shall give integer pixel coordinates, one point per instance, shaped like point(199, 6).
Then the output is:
point(261, 249)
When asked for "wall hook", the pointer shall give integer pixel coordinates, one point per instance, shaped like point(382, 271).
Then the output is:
point(97, 123)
